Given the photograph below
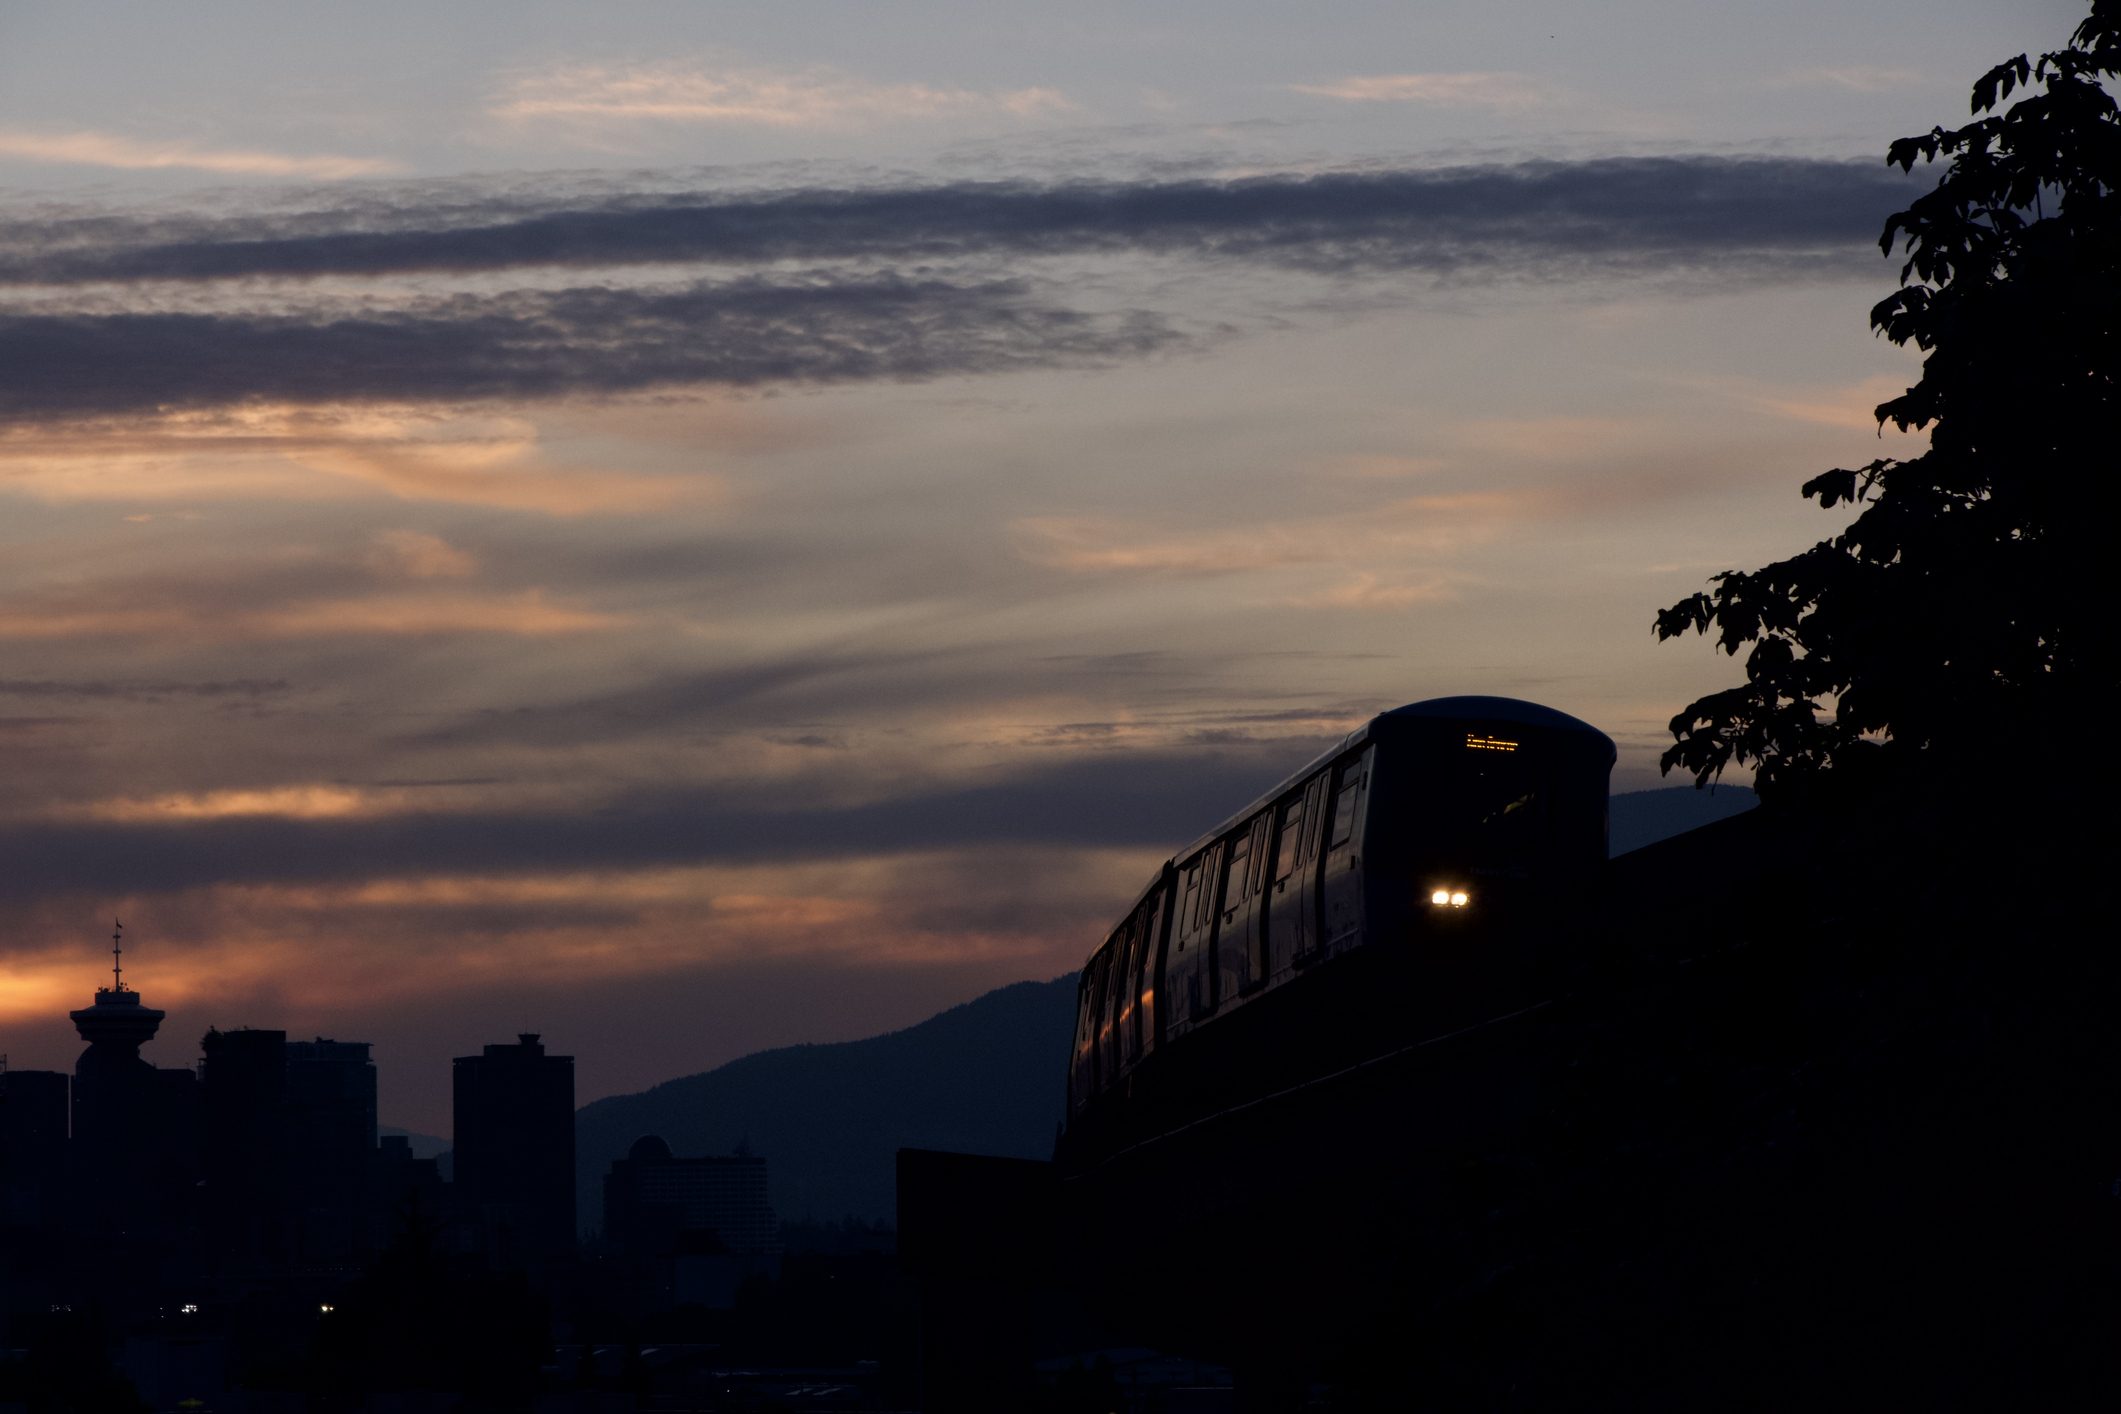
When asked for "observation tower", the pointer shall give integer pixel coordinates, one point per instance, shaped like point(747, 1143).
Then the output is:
point(117, 1025)
point(132, 1140)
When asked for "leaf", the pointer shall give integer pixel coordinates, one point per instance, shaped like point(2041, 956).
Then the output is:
point(1832, 488)
point(2008, 74)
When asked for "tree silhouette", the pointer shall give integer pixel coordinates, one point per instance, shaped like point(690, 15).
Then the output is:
point(1967, 602)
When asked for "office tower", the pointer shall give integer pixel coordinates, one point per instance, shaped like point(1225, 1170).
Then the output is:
point(243, 1100)
point(33, 1145)
point(329, 1135)
point(651, 1197)
point(514, 1154)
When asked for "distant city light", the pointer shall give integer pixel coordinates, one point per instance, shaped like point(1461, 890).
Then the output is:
point(189, 1309)
point(324, 1308)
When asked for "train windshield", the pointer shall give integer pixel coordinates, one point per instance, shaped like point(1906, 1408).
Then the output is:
point(1498, 801)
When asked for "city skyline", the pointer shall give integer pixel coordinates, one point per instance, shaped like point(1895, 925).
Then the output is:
point(686, 534)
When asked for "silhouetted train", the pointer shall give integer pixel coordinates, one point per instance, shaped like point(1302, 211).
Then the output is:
point(1375, 899)
point(1310, 1013)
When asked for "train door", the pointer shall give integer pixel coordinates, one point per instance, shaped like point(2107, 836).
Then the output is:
point(1187, 981)
point(1239, 966)
point(1291, 902)
point(1340, 878)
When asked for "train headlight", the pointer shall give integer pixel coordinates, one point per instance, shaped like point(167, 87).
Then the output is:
point(1440, 897)
point(1458, 900)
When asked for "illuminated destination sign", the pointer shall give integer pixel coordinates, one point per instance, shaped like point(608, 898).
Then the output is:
point(1476, 742)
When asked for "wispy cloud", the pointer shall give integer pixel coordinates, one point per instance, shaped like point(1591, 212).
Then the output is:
point(1419, 523)
point(146, 690)
point(1371, 591)
point(295, 452)
point(1862, 78)
point(94, 149)
point(818, 97)
point(1551, 438)
point(417, 556)
point(305, 802)
point(1506, 91)
point(1853, 407)
point(64, 617)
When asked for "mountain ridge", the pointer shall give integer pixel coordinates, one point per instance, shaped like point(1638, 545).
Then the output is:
point(985, 1077)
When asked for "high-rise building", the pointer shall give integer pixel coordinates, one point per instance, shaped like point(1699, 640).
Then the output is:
point(651, 1197)
point(243, 1103)
point(514, 1152)
point(330, 1134)
point(33, 1145)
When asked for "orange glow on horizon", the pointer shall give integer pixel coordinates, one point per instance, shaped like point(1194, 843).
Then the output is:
point(385, 942)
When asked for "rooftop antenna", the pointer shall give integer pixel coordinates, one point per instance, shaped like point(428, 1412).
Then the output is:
point(117, 956)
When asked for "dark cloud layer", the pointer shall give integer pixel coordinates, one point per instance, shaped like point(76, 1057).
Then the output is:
point(1146, 799)
point(144, 689)
point(1623, 211)
point(536, 343)
point(1741, 218)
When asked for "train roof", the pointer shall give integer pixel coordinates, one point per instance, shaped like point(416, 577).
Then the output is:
point(1485, 709)
point(1498, 709)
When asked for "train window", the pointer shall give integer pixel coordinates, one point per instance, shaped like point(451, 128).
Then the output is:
point(1188, 975)
point(1237, 881)
point(1291, 843)
point(1102, 1042)
point(1144, 978)
point(1344, 807)
point(1086, 1035)
point(1239, 965)
point(1119, 1000)
point(1498, 795)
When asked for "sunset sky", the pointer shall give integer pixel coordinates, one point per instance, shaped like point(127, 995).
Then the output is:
point(687, 528)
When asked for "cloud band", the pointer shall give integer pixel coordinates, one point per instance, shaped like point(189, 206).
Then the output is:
point(1455, 218)
point(539, 344)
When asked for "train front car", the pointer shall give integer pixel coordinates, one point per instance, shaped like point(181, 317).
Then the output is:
point(1325, 987)
point(1484, 805)
point(1392, 890)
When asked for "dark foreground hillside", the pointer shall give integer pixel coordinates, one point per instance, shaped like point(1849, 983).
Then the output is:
point(1827, 1123)
point(987, 1077)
